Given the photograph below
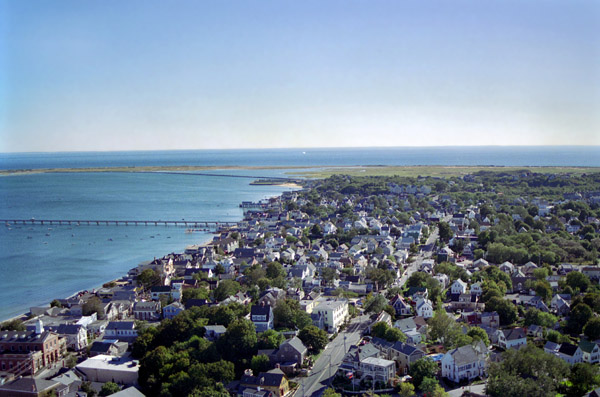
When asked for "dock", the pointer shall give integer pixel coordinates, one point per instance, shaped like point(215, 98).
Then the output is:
point(117, 222)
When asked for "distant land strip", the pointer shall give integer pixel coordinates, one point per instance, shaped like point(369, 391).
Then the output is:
point(316, 171)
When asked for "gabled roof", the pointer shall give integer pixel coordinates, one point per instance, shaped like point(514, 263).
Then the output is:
point(567, 349)
point(296, 344)
point(271, 378)
point(514, 334)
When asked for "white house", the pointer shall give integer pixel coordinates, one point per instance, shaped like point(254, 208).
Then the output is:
point(378, 369)
point(570, 353)
point(590, 352)
point(466, 362)
point(476, 289)
point(330, 314)
point(458, 287)
point(424, 308)
point(513, 338)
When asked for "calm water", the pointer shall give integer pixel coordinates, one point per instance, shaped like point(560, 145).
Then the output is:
point(38, 264)
point(584, 156)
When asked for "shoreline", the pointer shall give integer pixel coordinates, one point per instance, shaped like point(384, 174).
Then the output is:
point(24, 316)
point(321, 171)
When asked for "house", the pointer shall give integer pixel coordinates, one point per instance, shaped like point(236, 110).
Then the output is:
point(76, 336)
point(424, 308)
point(551, 348)
point(593, 272)
point(476, 289)
point(122, 330)
point(330, 315)
point(214, 332)
point(273, 381)
point(172, 310)
point(290, 355)
point(490, 319)
point(352, 359)
point(108, 347)
point(147, 311)
point(458, 287)
point(590, 351)
point(400, 306)
point(262, 317)
point(535, 331)
point(377, 369)
point(404, 354)
point(513, 338)
point(466, 362)
point(570, 353)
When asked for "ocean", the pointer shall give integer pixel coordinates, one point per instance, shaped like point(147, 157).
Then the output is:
point(40, 263)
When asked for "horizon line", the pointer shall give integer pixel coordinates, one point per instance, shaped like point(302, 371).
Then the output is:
point(298, 148)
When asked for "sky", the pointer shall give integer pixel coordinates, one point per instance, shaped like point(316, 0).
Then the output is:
point(155, 75)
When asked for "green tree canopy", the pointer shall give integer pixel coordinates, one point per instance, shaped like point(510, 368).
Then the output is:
point(421, 369)
point(526, 372)
point(314, 339)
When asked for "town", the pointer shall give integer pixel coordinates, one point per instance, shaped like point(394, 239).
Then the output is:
point(482, 284)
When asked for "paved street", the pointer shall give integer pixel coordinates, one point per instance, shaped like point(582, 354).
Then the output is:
point(326, 366)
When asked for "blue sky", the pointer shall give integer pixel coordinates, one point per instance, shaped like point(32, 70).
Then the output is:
point(143, 75)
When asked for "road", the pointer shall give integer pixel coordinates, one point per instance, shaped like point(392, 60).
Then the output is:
point(330, 359)
point(414, 266)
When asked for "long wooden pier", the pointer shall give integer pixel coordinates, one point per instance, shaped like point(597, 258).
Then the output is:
point(115, 222)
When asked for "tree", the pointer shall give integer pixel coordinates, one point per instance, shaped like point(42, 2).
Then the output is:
point(381, 277)
point(538, 317)
point(239, 341)
point(329, 392)
point(406, 390)
point(275, 269)
point(428, 385)
point(329, 274)
point(149, 278)
point(88, 389)
point(13, 325)
point(445, 232)
point(507, 311)
point(444, 328)
point(225, 289)
point(421, 369)
point(375, 304)
point(479, 333)
point(578, 281)
point(55, 303)
point(270, 339)
point(584, 377)
point(578, 317)
point(109, 388)
point(394, 335)
point(93, 305)
point(219, 269)
point(260, 363)
point(379, 329)
point(592, 328)
point(314, 339)
point(526, 372)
